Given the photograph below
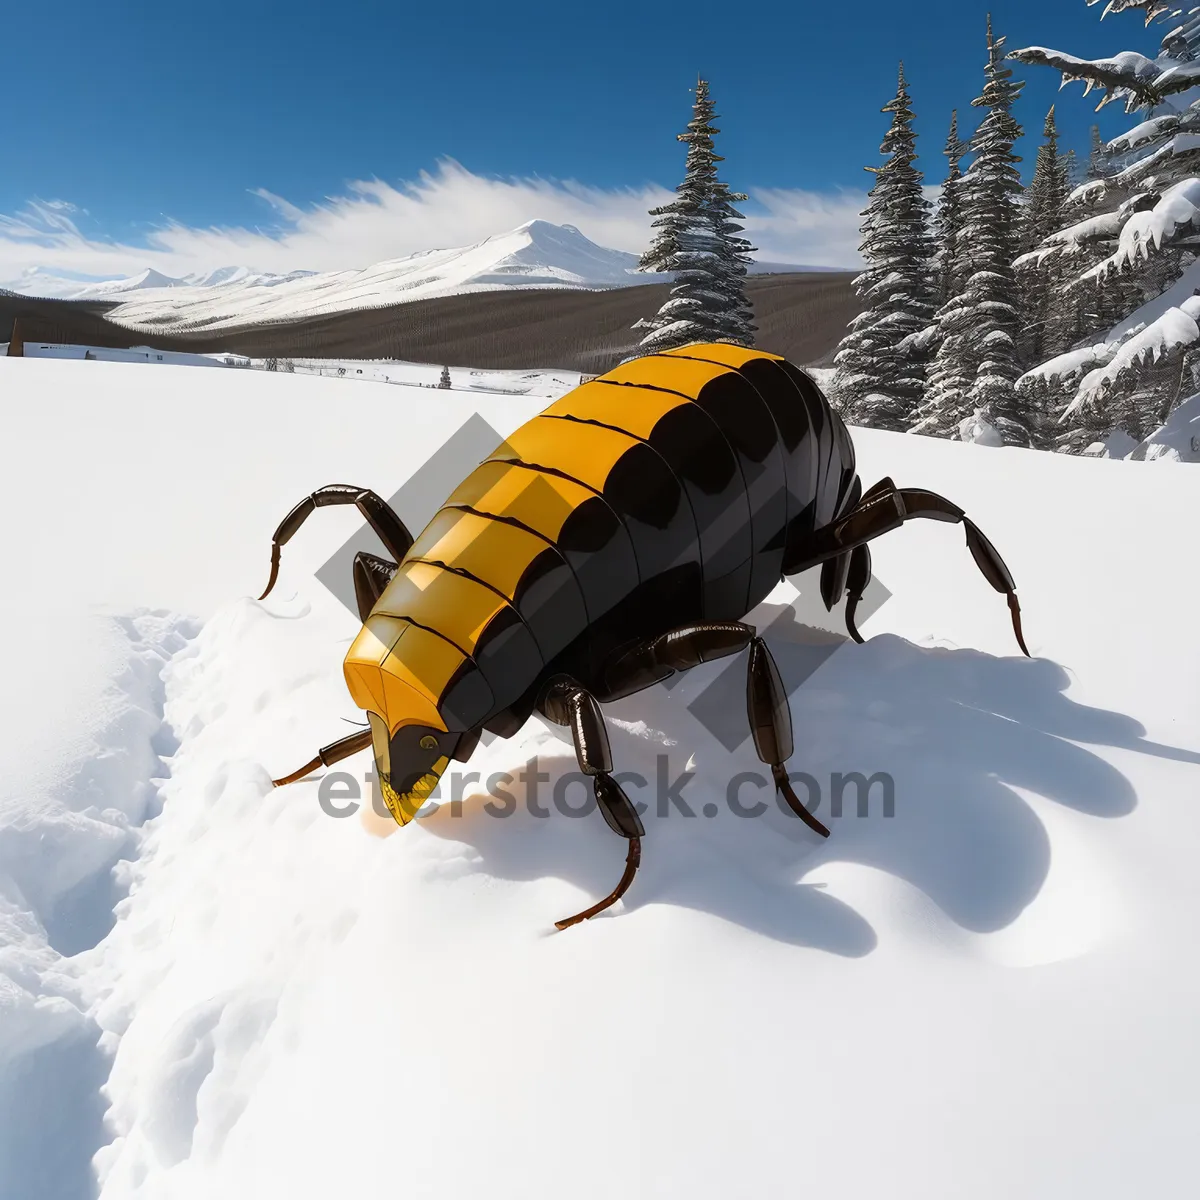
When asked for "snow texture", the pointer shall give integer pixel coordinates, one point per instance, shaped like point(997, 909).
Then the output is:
point(976, 428)
point(288, 1004)
point(1177, 440)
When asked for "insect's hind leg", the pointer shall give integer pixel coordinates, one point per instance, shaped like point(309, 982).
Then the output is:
point(391, 531)
point(771, 725)
point(886, 508)
point(850, 572)
point(565, 702)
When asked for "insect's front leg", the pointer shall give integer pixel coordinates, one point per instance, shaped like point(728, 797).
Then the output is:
point(388, 527)
point(565, 702)
point(328, 755)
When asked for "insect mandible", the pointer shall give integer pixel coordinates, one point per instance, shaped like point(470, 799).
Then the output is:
point(616, 538)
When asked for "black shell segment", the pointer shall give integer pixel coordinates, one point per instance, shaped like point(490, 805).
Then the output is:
point(738, 409)
point(639, 487)
point(833, 442)
point(693, 446)
point(793, 412)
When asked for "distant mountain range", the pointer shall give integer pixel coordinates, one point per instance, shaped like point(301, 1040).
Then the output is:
point(45, 284)
point(537, 254)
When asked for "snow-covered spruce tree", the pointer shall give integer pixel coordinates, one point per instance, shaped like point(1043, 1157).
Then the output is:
point(733, 255)
point(1098, 166)
point(933, 415)
point(1048, 190)
point(697, 243)
point(1045, 326)
point(880, 371)
point(949, 220)
point(1128, 261)
point(1044, 215)
point(1072, 169)
point(976, 364)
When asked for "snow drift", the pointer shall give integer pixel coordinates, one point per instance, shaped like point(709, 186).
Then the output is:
point(990, 992)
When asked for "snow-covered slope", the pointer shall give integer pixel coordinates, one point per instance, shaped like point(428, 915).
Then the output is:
point(534, 255)
point(537, 254)
point(991, 993)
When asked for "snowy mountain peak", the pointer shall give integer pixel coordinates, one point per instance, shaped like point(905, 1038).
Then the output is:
point(536, 254)
point(142, 281)
point(151, 278)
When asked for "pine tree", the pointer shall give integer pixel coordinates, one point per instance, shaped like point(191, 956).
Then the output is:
point(945, 377)
point(698, 244)
point(1045, 325)
point(1133, 237)
point(1047, 194)
point(1098, 165)
point(976, 366)
point(1072, 169)
point(444, 381)
point(880, 368)
point(1048, 325)
point(949, 218)
point(733, 253)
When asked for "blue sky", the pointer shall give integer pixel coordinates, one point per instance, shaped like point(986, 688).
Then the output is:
point(134, 115)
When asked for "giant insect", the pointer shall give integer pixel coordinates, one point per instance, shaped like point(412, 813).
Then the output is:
point(617, 537)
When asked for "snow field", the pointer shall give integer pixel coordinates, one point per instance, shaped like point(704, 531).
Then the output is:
point(989, 993)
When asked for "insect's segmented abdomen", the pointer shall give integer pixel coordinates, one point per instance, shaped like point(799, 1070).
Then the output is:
point(667, 491)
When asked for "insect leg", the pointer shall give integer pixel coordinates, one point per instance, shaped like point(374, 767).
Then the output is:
point(888, 510)
point(834, 573)
point(566, 703)
point(654, 659)
point(876, 489)
point(856, 583)
point(371, 575)
point(851, 571)
point(387, 525)
point(328, 755)
point(771, 725)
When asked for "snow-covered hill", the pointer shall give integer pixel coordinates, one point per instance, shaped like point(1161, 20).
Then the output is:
point(989, 994)
point(536, 254)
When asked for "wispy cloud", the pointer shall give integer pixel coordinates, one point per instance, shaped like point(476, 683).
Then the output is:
point(449, 206)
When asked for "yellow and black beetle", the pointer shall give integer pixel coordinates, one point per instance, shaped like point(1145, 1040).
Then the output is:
point(616, 538)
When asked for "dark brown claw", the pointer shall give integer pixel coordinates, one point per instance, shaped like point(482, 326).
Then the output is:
point(632, 860)
point(274, 570)
point(851, 628)
point(307, 769)
point(1015, 609)
point(781, 782)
